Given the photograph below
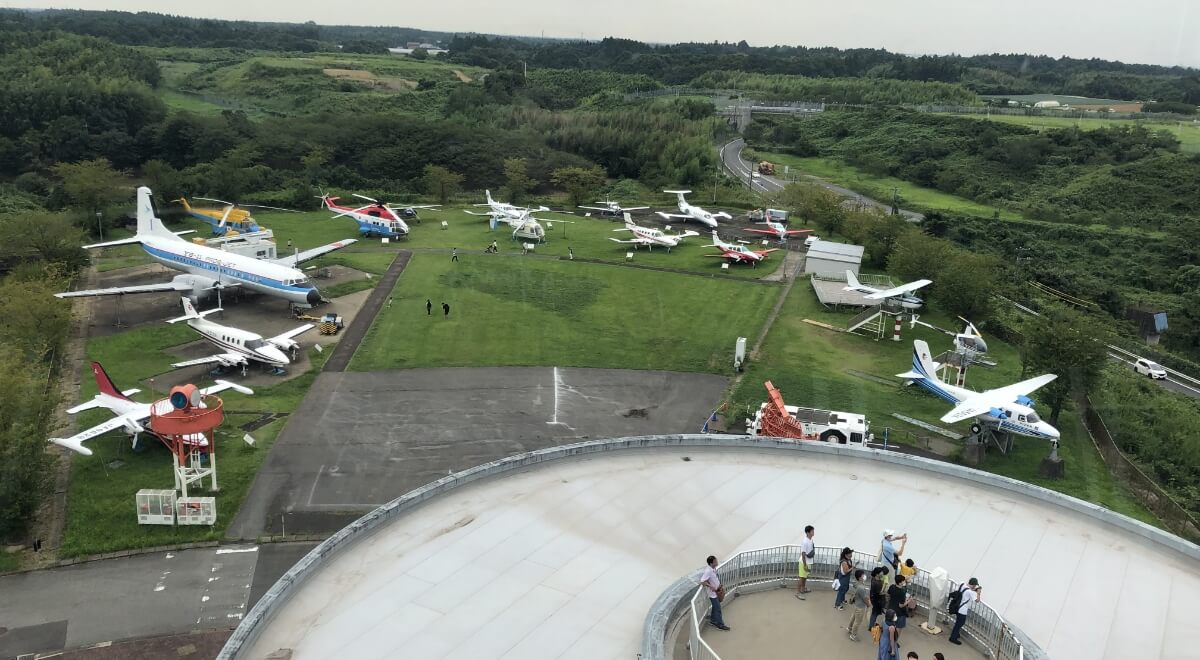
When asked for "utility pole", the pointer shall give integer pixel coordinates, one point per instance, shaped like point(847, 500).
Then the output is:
point(100, 224)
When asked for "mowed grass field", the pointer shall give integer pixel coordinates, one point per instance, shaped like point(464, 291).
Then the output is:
point(521, 311)
point(100, 500)
point(812, 367)
point(880, 187)
point(1187, 132)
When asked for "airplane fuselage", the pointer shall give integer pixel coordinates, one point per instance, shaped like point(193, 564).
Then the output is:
point(698, 214)
point(1011, 418)
point(227, 268)
point(234, 340)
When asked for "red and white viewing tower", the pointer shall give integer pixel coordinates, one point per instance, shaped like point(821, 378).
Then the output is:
point(185, 422)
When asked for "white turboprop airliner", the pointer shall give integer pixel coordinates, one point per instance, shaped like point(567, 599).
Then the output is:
point(239, 346)
point(689, 212)
point(207, 269)
point(650, 237)
point(900, 293)
point(505, 209)
point(1008, 409)
point(130, 415)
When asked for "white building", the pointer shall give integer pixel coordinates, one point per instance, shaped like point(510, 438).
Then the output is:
point(829, 258)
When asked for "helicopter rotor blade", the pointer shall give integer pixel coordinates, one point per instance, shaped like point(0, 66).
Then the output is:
point(369, 199)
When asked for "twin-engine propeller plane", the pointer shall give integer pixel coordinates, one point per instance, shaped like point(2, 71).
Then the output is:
point(738, 253)
point(240, 347)
point(689, 212)
point(613, 209)
point(376, 218)
point(650, 237)
point(899, 294)
point(505, 209)
point(1007, 409)
point(778, 230)
point(208, 270)
point(130, 415)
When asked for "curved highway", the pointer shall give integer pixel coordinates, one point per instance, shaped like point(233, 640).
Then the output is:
point(739, 168)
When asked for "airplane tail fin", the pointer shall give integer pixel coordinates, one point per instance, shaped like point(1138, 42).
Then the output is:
point(490, 201)
point(923, 366)
point(105, 384)
point(147, 223)
point(851, 280)
point(189, 312)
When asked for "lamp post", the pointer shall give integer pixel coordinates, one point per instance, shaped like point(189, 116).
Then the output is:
point(100, 224)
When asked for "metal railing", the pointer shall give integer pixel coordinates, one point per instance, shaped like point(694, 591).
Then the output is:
point(766, 568)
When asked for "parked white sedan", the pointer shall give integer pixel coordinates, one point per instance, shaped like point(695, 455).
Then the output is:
point(1150, 368)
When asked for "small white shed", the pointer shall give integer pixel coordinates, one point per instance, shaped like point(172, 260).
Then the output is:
point(829, 258)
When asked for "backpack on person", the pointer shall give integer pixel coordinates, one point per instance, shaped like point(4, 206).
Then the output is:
point(876, 632)
point(955, 600)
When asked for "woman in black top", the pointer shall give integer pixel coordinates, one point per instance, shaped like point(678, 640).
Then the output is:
point(878, 597)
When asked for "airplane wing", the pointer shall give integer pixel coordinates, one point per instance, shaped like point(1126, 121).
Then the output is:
point(983, 402)
point(482, 214)
point(688, 233)
point(768, 251)
point(796, 232)
point(632, 241)
point(972, 407)
point(222, 385)
point(75, 442)
point(668, 216)
point(722, 214)
point(633, 208)
point(225, 360)
point(898, 291)
point(768, 232)
point(308, 255)
point(121, 290)
point(597, 208)
point(291, 333)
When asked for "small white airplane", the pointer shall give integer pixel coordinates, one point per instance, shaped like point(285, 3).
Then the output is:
point(899, 293)
point(689, 212)
point(738, 252)
point(240, 346)
point(651, 237)
point(206, 270)
point(778, 230)
point(613, 209)
point(130, 415)
point(1008, 409)
point(505, 209)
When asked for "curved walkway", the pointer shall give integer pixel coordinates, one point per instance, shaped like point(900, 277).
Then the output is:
point(563, 560)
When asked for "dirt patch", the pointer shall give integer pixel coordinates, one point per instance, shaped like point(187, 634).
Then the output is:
point(367, 78)
point(462, 77)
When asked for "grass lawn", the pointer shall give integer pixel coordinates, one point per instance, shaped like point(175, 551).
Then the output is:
point(188, 103)
point(811, 367)
point(9, 562)
point(587, 237)
point(100, 499)
point(520, 311)
point(880, 187)
point(1188, 133)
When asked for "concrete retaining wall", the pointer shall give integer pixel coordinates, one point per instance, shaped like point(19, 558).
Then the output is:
point(262, 612)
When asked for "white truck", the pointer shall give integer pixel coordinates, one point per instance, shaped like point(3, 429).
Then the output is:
point(774, 419)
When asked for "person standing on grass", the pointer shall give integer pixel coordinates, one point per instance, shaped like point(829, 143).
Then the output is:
point(446, 309)
point(454, 254)
point(843, 576)
point(428, 307)
point(887, 641)
point(862, 600)
point(971, 592)
point(716, 593)
point(570, 254)
point(804, 567)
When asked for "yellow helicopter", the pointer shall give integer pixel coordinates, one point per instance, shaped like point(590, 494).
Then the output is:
point(231, 220)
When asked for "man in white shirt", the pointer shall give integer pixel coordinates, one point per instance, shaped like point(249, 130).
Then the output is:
point(971, 592)
point(804, 566)
point(712, 583)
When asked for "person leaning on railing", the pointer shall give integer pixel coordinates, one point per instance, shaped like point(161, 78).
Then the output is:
point(967, 594)
point(716, 593)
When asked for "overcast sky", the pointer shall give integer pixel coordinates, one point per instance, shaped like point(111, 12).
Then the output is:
point(1146, 31)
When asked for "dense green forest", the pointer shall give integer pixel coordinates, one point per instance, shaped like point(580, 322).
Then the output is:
point(838, 90)
point(1127, 176)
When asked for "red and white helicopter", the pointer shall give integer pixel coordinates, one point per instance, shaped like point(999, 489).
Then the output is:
point(130, 415)
point(376, 218)
point(650, 237)
point(738, 253)
point(778, 230)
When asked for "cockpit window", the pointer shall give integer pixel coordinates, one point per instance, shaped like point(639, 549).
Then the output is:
point(254, 344)
point(1032, 418)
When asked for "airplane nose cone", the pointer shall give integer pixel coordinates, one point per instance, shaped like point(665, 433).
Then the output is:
point(1051, 431)
point(313, 297)
point(274, 355)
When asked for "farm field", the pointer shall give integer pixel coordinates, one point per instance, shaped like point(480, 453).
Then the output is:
point(514, 311)
point(1188, 133)
point(817, 367)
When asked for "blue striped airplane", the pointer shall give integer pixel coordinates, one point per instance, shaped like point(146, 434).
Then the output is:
point(1008, 409)
point(205, 269)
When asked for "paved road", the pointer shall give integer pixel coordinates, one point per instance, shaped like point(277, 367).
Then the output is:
point(731, 157)
point(1170, 383)
point(362, 439)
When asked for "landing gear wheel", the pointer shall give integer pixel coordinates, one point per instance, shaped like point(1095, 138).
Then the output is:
point(976, 429)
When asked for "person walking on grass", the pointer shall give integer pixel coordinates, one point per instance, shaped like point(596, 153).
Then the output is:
point(804, 566)
point(428, 307)
point(843, 576)
point(716, 593)
point(888, 649)
point(454, 254)
point(862, 600)
point(446, 309)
